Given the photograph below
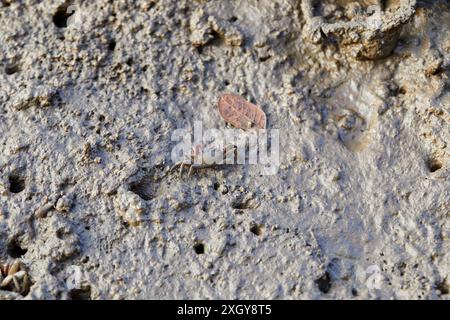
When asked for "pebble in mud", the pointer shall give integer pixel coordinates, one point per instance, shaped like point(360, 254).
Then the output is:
point(42, 211)
point(63, 204)
point(130, 207)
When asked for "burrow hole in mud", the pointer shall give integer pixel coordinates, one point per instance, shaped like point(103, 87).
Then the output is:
point(199, 248)
point(256, 229)
point(264, 59)
point(16, 183)
point(143, 188)
point(14, 249)
point(12, 69)
point(324, 283)
point(241, 204)
point(80, 294)
point(434, 165)
point(216, 39)
point(443, 287)
point(112, 45)
point(62, 14)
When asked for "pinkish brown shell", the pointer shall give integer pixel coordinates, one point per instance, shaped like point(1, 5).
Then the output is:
point(241, 113)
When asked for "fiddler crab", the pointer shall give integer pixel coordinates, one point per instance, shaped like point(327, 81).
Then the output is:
point(205, 157)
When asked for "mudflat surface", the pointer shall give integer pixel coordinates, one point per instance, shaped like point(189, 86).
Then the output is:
point(359, 207)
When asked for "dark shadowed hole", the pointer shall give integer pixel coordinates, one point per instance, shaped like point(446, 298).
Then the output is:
point(443, 287)
point(80, 294)
point(11, 69)
point(438, 71)
point(199, 49)
point(354, 292)
point(112, 45)
point(241, 204)
point(16, 183)
point(264, 59)
point(324, 283)
point(143, 189)
point(434, 165)
point(195, 79)
point(199, 248)
point(216, 39)
point(15, 250)
point(61, 16)
point(256, 229)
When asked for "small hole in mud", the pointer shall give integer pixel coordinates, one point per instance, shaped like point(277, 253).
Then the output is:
point(233, 19)
point(264, 59)
point(354, 292)
point(16, 183)
point(61, 16)
point(195, 79)
point(112, 45)
point(256, 229)
point(324, 283)
point(199, 49)
point(199, 248)
point(15, 250)
point(80, 294)
point(438, 71)
point(434, 165)
point(216, 186)
point(143, 189)
point(11, 69)
point(216, 39)
point(62, 234)
point(226, 83)
point(241, 204)
point(443, 287)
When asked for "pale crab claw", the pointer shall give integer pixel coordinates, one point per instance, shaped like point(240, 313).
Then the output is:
point(19, 275)
point(6, 281)
point(16, 284)
point(15, 266)
point(14, 278)
point(191, 169)
point(181, 165)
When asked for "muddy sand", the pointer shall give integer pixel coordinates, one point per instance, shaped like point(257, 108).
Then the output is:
point(92, 91)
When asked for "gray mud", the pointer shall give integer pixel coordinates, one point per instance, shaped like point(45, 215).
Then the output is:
point(360, 205)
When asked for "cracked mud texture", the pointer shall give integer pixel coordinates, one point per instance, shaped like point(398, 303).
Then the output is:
point(360, 205)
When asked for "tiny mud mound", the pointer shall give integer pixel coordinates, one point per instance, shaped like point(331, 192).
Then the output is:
point(93, 94)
